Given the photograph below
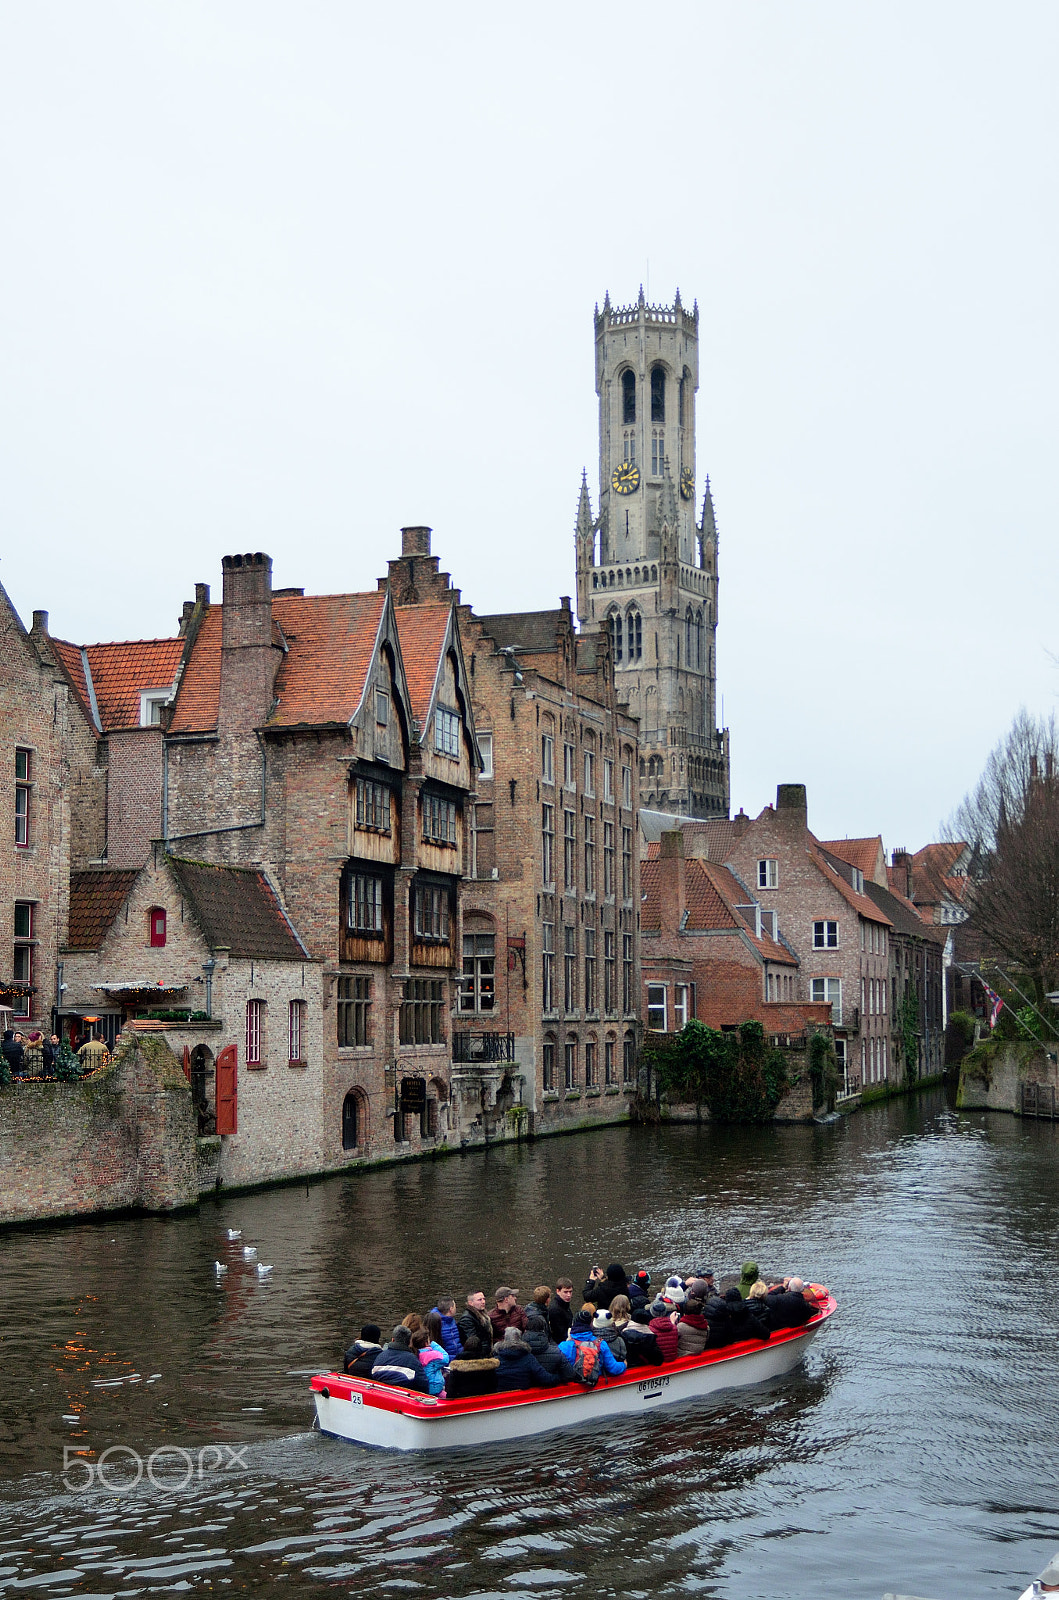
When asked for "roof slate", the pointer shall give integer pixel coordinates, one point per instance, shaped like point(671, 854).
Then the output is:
point(237, 909)
point(96, 897)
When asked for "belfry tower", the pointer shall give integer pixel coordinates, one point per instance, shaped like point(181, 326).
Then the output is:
point(645, 568)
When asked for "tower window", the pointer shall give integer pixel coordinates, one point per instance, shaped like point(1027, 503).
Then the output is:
point(658, 453)
point(658, 394)
point(628, 396)
point(615, 636)
point(629, 447)
point(635, 631)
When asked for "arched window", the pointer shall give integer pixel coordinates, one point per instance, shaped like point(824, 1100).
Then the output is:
point(352, 1120)
point(628, 396)
point(689, 638)
point(614, 624)
point(635, 635)
point(658, 394)
point(698, 638)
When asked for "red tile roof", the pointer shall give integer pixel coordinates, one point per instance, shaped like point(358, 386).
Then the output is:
point(121, 672)
point(421, 630)
point(330, 642)
point(95, 900)
point(861, 853)
point(710, 895)
point(860, 902)
point(932, 880)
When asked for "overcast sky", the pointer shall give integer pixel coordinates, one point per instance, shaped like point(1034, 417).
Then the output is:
point(285, 277)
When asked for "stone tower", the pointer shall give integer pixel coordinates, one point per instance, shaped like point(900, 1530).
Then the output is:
point(645, 567)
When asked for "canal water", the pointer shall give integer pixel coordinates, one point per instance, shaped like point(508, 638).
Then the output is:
point(916, 1451)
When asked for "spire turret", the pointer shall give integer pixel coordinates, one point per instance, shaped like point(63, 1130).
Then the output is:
point(584, 527)
point(708, 530)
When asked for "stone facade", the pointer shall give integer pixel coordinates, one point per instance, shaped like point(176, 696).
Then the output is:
point(645, 569)
point(551, 931)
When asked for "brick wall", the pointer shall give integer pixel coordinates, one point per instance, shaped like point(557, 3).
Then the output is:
point(134, 794)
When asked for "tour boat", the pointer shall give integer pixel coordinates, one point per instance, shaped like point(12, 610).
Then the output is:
point(400, 1419)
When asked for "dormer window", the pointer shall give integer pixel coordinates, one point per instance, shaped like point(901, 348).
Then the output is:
point(151, 703)
point(156, 927)
point(447, 732)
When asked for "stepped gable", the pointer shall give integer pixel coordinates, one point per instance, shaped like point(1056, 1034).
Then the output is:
point(328, 643)
point(422, 631)
point(96, 897)
point(238, 910)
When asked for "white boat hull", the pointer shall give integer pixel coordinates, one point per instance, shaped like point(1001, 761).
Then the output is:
point(396, 1419)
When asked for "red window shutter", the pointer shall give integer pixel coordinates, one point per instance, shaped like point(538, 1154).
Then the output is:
point(187, 1062)
point(227, 1062)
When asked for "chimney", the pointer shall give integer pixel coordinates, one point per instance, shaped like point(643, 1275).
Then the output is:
point(415, 541)
point(740, 823)
point(671, 882)
point(901, 858)
point(792, 807)
point(40, 622)
point(247, 609)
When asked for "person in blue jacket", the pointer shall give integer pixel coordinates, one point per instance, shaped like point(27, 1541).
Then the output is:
point(450, 1334)
point(519, 1367)
point(581, 1330)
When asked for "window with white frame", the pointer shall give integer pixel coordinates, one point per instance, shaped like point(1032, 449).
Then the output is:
point(255, 1033)
point(626, 786)
point(681, 1014)
point(657, 1016)
point(478, 981)
point(485, 750)
point(547, 758)
point(828, 990)
point(296, 1031)
point(151, 704)
point(608, 781)
point(382, 708)
point(23, 787)
point(768, 874)
point(825, 935)
point(569, 766)
point(447, 732)
point(590, 773)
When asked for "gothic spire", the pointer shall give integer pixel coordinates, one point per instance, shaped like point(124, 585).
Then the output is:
point(709, 524)
point(583, 527)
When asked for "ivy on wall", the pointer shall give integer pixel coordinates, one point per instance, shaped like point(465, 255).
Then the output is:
point(735, 1075)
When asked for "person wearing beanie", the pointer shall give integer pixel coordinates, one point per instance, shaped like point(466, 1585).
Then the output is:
point(639, 1290)
point(473, 1373)
point(642, 1348)
point(362, 1352)
point(544, 1347)
point(581, 1330)
point(749, 1277)
point(398, 1364)
point(519, 1367)
point(662, 1325)
point(605, 1328)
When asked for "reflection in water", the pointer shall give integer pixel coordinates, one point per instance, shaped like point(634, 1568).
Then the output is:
point(916, 1450)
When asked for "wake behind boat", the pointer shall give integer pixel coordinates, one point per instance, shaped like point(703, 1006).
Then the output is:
point(400, 1419)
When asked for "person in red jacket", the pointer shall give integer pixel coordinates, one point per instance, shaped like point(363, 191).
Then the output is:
point(508, 1313)
point(663, 1327)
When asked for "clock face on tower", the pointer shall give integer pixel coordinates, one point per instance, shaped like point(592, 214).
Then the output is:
point(626, 478)
point(687, 484)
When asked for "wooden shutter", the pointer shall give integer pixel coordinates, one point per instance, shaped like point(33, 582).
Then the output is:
point(187, 1062)
point(227, 1062)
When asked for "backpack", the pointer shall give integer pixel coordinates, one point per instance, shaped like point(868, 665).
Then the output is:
point(587, 1363)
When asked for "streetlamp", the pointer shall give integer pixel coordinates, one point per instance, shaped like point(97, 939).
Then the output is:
point(208, 967)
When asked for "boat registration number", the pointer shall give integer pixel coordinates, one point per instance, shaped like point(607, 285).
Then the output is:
point(652, 1387)
point(355, 1398)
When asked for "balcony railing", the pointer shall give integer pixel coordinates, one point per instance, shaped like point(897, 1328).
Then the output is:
point(469, 1049)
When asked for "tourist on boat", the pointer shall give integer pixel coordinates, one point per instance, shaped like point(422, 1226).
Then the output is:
point(538, 1337)
point(663, 1326)
point(445, 1310)
point(473, 1373)
point(473, 1322)
point(560, 1311)
point(412, 1321)
point(602, 1289)
point(508, 1313)
point(362, 1352)
point(789, 1307)
point(605, 1328)
point(748, 1278)
point(693, 1329)
point(398, 1364)
point(519, 1367)
point(757, 1303)
point(641, 1347)
point(581, 1331)
point(433, 1358)
point(639, 1290)
point(542, 1299)
point(1046, 1583)
point(744, 1321)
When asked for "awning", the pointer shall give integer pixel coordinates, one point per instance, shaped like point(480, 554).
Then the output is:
point(142, 986)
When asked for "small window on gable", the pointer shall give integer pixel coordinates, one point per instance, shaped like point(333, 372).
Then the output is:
point(447, 732)
point(156, 924)
point(628, 398)
point(768, 874)
point(485, 749)
point(382, 708)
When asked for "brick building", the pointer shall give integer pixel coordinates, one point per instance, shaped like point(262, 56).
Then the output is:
point(551, 935)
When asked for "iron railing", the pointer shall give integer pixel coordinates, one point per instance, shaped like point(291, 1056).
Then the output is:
point(472, 1048)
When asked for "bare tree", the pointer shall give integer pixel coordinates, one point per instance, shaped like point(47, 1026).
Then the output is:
point(1011, 821)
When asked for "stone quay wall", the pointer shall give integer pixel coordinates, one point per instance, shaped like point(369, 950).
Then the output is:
point(991, 1075)
point(122, 1140)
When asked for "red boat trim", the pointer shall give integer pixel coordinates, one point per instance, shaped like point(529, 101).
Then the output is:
point(385, 1397)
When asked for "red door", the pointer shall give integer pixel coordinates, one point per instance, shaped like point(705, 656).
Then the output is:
point(227, 1062)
